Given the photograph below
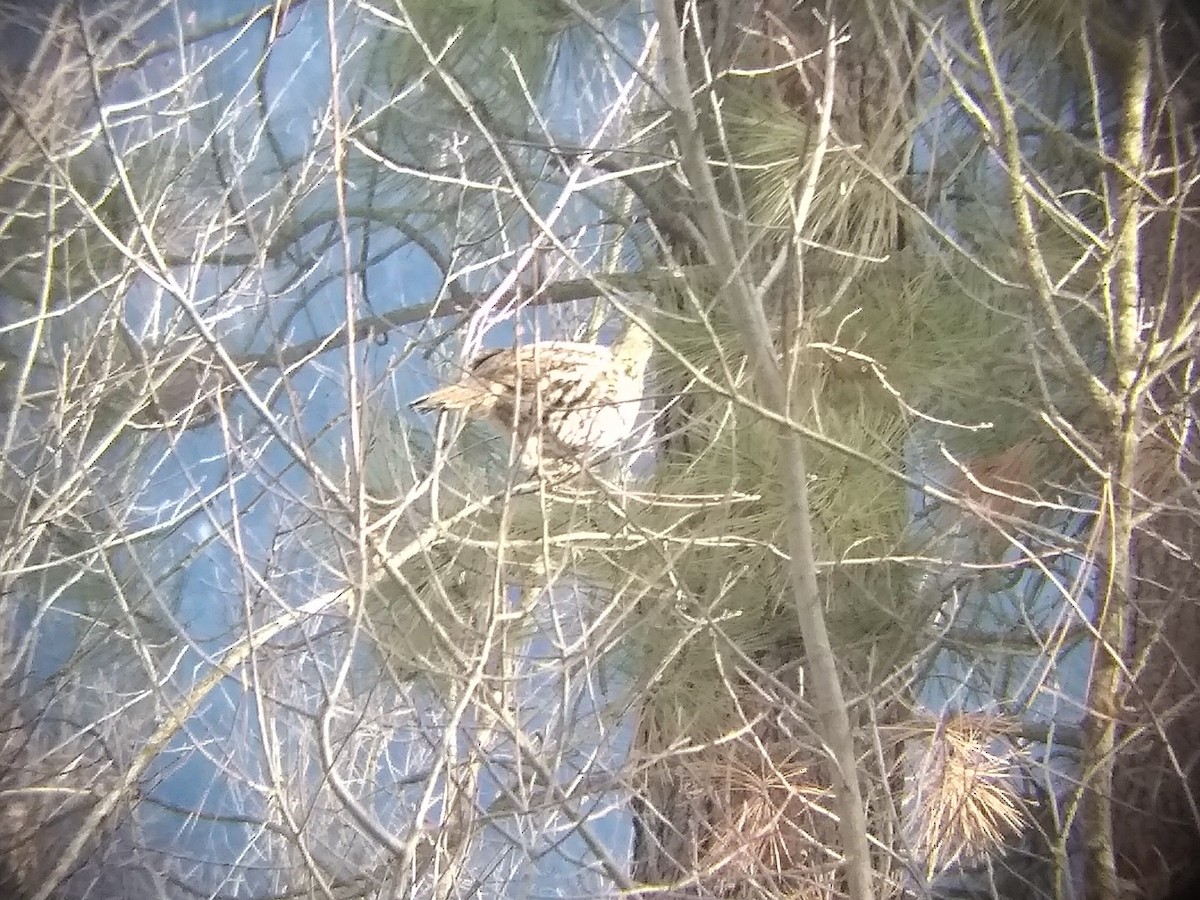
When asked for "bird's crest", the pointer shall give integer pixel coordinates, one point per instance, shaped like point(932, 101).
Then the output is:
point(632, 348)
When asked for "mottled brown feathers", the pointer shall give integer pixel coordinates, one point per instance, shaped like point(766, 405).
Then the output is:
point(560, 399)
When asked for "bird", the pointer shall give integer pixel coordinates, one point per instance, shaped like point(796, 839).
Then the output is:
point(560, 400)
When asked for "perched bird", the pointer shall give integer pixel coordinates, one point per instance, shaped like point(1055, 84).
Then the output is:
point(561, 400)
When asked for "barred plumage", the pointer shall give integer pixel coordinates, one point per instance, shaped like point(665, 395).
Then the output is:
point(561, 399)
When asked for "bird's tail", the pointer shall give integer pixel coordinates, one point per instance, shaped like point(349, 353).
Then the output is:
point(461, 396)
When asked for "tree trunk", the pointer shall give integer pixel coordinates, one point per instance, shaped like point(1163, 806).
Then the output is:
point(1156, 779)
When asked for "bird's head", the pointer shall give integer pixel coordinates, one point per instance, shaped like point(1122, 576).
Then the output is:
point(633, 347)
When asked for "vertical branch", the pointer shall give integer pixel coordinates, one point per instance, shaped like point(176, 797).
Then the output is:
point(746, 304)
point(1008, 150)
point(1119, 402)
point(1114, 600)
